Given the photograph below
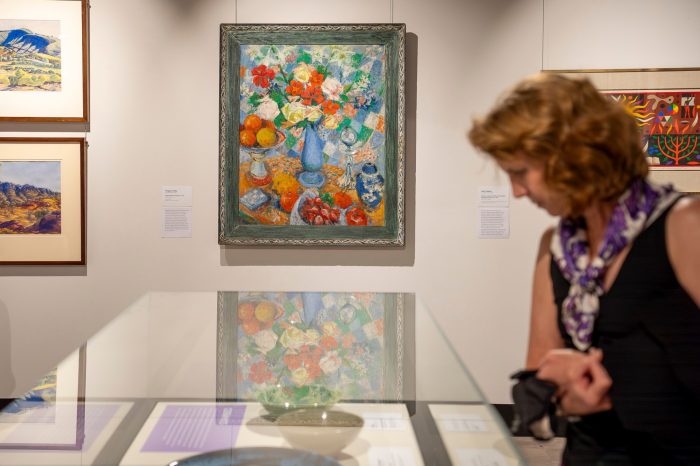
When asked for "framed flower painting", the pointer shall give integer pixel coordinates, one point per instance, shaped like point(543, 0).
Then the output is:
point(349, 346)
point(666, 106)
point(312, 134)
point(43, 60)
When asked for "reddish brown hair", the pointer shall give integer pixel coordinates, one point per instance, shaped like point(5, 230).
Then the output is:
point(590, 146)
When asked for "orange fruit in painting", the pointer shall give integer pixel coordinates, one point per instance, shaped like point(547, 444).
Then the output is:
point(247, 138)
point(251, 327)
point(252, 122)
point(269, 124)
point(342, 199)
point(266, 137)
point(246, 311)
point(265, 311)
point(287, 200)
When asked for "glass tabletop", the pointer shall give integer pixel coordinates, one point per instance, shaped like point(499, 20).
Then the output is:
point(353, 378)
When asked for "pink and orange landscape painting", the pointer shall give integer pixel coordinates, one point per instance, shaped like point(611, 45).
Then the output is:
point(30, 197)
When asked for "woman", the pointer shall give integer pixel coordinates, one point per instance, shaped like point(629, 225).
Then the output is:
point(615, 318)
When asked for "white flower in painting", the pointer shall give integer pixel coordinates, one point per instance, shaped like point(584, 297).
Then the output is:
point(317, 55)
point(267, 109)
point(330, 328)
point(292, 338)
point(302, 72)
point(265, 340)
point(311, 337)
point(299, 376)
point(294, 112)
point(332, 88)
point(330, 362)
point(253, 51)
point(313, 113)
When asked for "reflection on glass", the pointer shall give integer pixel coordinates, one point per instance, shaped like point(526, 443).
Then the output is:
point(312, 349)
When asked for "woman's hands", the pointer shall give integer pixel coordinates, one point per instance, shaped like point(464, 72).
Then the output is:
point(582, 380)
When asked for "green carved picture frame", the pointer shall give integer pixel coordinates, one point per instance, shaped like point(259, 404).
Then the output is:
point(312, 134)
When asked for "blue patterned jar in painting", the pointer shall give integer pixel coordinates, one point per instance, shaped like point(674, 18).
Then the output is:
point(369, 184)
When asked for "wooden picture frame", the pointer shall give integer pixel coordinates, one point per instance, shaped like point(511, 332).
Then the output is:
point(382, 323)
point(42, 201)
point(312, 114)
point(666, 104)
point(51, 416)
point(44, 61)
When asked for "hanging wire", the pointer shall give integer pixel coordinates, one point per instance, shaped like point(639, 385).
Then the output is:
point(235, 14)
point(542, 40)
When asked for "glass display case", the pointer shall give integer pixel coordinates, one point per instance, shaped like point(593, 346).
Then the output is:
point(252, 377)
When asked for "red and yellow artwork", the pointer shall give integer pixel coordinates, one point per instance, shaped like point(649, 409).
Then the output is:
point(669, 122)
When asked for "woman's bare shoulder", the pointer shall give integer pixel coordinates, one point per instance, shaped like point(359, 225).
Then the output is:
point(682, 231)
point(684, 217)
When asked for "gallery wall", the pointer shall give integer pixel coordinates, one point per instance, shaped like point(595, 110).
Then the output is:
point(154, 122)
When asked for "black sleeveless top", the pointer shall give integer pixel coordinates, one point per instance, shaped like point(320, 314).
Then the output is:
point(649, 330)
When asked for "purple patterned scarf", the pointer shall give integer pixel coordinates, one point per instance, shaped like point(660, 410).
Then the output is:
point(636, 209)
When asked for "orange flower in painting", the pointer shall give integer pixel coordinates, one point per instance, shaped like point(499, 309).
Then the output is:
point(260, 373)
point(380, 124)
point(348, 340)
point(312, 93)
point(349, 111)
point(329, 107)
point(328, 342)
point(379, 325)
point(294, 88)
point(316, 78)
point(313, 371)
point(262, 75)
point(292, 361)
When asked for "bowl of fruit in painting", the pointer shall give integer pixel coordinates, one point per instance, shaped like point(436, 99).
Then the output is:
point(314, 209)
point(258, 135)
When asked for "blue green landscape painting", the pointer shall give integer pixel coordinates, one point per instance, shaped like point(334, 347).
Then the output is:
point(30, 55)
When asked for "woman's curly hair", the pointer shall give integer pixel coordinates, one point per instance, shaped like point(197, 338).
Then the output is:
point(589, 145)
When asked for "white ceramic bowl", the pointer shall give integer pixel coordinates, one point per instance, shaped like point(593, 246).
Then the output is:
point(325, 432)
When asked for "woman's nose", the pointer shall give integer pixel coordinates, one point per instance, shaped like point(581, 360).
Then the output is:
point(518, 189)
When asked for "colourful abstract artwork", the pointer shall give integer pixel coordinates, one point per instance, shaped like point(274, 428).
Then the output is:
point(30, 197)
point(311, 134)
point(669, 123)
point(335, 340)
point(30, 55)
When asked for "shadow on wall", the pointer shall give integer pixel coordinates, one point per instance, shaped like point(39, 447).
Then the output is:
point(354, 256)
point(7, 378)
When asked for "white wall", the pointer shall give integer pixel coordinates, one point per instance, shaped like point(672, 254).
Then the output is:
point(154, 122)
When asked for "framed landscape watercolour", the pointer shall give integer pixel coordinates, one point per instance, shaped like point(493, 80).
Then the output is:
point(42, 201)
point(312, 134)
point(666, 105)
point(51, 416)
point(43, 60)
point(360, 346)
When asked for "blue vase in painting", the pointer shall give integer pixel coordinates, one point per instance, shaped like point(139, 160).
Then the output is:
point(312, 158)
point(369, 184)
point(313, 303)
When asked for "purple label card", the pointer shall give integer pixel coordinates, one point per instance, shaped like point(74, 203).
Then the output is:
point(195, 428)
